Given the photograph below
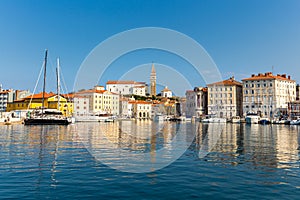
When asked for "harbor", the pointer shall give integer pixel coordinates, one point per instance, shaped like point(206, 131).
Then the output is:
point(52, 161)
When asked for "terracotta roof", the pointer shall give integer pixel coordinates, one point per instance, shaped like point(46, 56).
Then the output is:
point(139, 86)
point(40, 95)
point(166, 89)
point(5, 91)
point(228, 82)
point(123, 82)
point(268, 76)
point(139, 102)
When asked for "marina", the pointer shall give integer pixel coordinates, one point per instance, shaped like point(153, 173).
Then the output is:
point(52, 161)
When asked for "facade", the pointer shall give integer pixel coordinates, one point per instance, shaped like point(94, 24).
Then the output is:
point(124, 109)
point(6, 96)
point(141, 109)
point(126, 87)
point(139, 90)
point(225, 98)
point(297, 92)
point(153, 81)
point(35, 101)
point(166, 92)
point(81, 105)
point(101, 101)
point(196, 102)
point(294, 109)
point(268, 94)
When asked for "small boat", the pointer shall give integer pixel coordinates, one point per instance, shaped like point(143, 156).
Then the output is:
point(264, 121)
point(295, 122)
point(213, 119)
point(236, 119)
point(281, 121)
point(252, 118)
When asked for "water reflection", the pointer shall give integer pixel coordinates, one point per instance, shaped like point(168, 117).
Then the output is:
point(39, 148)
point(137, 146)
point(274, 146)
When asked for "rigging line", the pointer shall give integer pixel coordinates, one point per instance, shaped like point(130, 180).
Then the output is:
point(41, 70)
point(64, 83)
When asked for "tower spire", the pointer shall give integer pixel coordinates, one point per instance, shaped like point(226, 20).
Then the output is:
point(153, 81)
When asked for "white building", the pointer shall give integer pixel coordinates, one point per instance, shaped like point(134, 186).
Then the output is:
point(126, 87)
point(166, 92)
point(268, 94)
point(225, 98)
point(6, 96)
point(141, 109)
point(81, 105)
point(196, 102)
point(139, 90)
point(101, 101)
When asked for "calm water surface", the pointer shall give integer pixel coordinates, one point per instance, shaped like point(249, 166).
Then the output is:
point(54, 162)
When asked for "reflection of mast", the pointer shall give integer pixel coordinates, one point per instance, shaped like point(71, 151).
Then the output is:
point(54, 163)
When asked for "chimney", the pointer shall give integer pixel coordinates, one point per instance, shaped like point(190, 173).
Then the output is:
point(283, 75)
point(252, 75)
point(289, 77)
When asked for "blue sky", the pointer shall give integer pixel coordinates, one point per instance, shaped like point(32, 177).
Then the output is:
point(242, 37)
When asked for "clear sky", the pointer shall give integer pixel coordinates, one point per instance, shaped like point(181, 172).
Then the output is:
point(242, 37)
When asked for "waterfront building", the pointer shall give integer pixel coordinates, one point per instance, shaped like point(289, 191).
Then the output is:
point(101, 101)
point(153, 81)
point(294, 109)
point(81, 105)
point(297, 92)
point(268, 95)
point(125, 108)
point(35, 101)
point(166, 92)
point(141, 109)
point(225, 98)
point(196, 102)
point(6, 96)
point(124, 87)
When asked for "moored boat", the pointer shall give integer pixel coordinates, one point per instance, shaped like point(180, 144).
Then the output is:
point(252, 118)
point(264, 121)
point(44, 116)
point(236, 119)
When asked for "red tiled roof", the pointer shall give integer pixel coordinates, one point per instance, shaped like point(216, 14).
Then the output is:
point(123, 82)
point(5, 91)
point(40, 95)
point(139, 102)
point(268, 76)
point(228, 82)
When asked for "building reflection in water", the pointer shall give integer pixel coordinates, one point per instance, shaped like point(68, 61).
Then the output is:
point(274, 146)
point(140, 143)
point(41, 147)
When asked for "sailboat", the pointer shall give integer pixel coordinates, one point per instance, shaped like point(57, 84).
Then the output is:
point(45, 116)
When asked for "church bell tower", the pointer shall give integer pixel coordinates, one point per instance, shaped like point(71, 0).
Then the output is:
point(153, 81)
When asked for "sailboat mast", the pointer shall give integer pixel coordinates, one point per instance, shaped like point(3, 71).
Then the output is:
point(44, 85)
point(58, 84)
